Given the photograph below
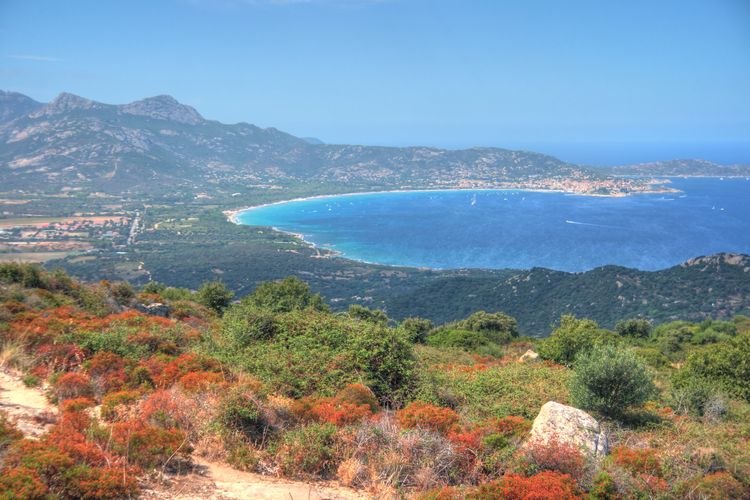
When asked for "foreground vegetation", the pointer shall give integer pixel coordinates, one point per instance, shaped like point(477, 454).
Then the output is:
point(277, 383)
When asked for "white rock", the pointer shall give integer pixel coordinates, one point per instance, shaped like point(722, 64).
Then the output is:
point(571, 426)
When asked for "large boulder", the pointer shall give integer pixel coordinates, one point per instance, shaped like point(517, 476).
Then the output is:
point(529, 356)
point(569, 425)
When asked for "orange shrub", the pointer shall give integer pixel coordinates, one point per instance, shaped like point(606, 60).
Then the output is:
point(200, 381)
point(107, 371)
point(358, 394)
point(60, 357)
point(330, 410)
point(77, 404)
point(146, 445)
point(173, 370)
point(103, 482)
point(21, 482)
point(114, 401)
point(510, 426)
point(555, 456)
point(73, 385)
point(637, 461)
point(717, 486)
point(543, 486)
point(424, 415)
point(168, 409)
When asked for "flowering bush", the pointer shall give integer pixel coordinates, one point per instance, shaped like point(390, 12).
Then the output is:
point(424, 415)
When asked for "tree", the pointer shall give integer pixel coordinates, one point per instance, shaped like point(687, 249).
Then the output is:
point(215, 295)
point(497, 327)
point(637, 328)
point(289, 294)
point(417, 329)
point(726, 364)
point(572, 337)
point(363, 313)
point(610, 379)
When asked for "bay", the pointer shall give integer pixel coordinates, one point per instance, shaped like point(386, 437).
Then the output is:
point(522, 229)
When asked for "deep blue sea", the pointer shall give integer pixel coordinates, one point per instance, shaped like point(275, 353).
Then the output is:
point(523, 229)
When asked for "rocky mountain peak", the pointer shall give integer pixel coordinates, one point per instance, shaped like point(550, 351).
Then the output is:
point(13, 105)
point(164, 107)
point(66, 102)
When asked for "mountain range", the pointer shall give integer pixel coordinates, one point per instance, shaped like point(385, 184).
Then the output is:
point(157, 143)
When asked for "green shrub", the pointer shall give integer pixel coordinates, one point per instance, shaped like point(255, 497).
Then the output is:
point(636, 328)
point(308, 451)
point(239, 412)
point(726, 364)
point(289, 294)
point(215, 295)
point(363, 313)
point(463, 339)
point(244, 324)
point(697, 397)
point(417, 329)
point(497, 327)
point(572, 337)
point(609, 379)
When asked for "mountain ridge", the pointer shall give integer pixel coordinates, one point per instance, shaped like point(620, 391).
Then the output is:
point(74, 143)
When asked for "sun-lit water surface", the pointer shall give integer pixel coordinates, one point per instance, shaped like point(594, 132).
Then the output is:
point(523, 229)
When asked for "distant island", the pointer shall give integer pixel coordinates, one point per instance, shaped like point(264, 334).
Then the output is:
point(682, 168)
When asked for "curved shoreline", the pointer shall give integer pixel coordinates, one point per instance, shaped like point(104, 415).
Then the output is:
point(232, 214)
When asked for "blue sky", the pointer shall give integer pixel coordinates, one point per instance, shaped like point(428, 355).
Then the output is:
point(590, 81)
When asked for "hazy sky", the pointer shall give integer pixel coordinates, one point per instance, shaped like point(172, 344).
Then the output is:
point(600, 81)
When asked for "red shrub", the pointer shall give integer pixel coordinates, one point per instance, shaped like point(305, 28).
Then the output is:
point(543, 486)
point(146, 445)
point(555, 456)
point(46, 462)
point(21, 482)
point(467, 441)
point(103, 482)
point(60, 357)
point(182, 365)
point(330, 410)
point(510, 426)
point(717, 486)
point(77, 404)
point(651, 485)
point(200, 381)
point(427, 416)
point(637, 461)
point(115, 401)
point(168, 409)
point(107, 370)
point(73, 385)
point(358, 394)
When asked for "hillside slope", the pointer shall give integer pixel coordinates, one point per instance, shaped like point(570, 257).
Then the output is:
point(160, 145)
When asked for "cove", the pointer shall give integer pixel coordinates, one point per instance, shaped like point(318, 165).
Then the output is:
point(522, 229)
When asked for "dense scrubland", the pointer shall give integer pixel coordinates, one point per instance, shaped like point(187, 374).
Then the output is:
point(276, 383)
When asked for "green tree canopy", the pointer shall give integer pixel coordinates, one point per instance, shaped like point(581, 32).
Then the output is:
point(610, 379)
point(215, 295)
point(572, 337)
point(289, 294)
point(363, 313)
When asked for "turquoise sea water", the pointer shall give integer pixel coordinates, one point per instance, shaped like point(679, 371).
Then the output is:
point(522, 229)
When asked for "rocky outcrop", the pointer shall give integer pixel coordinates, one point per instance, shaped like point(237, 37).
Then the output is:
point(155, 309)
point(529, 356)
point(164, 107)
point(569, 425)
